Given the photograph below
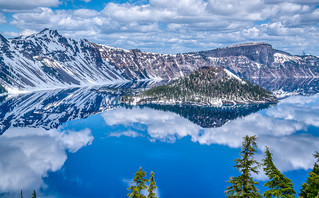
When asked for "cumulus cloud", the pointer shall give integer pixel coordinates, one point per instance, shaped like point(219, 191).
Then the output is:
point(189, 25)
point(26, 4)
point(27, 154)
point(125, 133)
point(175, 126)
point(2, 18)
point(276, 128)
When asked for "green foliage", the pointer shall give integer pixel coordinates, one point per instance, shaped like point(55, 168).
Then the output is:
point(34, 194)
point(138, 184)
point(151, 187)
point(21, 195)
point(280, 185)
point(244, 185)
point(310, 189)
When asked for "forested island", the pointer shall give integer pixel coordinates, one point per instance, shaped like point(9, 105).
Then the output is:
point(205, 86)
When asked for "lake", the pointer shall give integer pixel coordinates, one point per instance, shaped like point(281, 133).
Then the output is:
point(83, 142)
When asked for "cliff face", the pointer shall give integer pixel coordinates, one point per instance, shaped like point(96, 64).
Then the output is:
point(47, 60)
point(260, 52)
point(260, 60)
point(136, 64)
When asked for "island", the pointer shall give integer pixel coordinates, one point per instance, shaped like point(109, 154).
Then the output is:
point(212, 86)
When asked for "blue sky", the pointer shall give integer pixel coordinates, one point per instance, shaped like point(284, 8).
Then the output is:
point(168, 26)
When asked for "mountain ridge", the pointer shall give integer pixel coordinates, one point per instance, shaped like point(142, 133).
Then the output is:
point(47, 60)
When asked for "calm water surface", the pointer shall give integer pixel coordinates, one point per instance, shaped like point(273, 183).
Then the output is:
point(83, 143)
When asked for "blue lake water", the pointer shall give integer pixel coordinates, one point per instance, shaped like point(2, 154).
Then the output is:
point(83, 143)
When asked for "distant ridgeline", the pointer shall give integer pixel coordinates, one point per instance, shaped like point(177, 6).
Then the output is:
point(47, 60)
point(204, 86)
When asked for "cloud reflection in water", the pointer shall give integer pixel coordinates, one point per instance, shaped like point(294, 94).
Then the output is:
point(27, 154)
point(282, 128)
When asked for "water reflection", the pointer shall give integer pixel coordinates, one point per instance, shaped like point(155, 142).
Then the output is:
point(283, 128)
point(209, 117)
point(49, 109)
point(283, 87)
point(27, 154)
point(44, 131)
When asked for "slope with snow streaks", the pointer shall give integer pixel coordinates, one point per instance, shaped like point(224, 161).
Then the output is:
point(48, 60)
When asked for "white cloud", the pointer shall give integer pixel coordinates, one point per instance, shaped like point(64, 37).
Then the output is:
point(193, 24)
point(27, 4)
point(27, 154)
point(2, 18)
point(175, 126)
point(125, 133)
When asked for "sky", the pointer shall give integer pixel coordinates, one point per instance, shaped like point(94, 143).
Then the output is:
point(170, 26)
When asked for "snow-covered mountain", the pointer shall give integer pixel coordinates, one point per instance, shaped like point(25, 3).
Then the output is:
point(48, 60)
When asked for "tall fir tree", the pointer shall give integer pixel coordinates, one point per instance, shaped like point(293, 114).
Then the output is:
point(279, 184)
point(138, 184)
point(151, 187)
point(244, 185)
point(21, 195)
point(34, 194)
point(310, 189)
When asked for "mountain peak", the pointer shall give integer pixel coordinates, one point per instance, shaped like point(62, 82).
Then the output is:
point(47, 31)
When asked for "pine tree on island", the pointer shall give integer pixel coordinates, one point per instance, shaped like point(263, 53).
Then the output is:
point(279, 184)
point(244, 185)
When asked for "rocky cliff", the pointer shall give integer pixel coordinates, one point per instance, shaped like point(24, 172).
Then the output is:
point(260, 60)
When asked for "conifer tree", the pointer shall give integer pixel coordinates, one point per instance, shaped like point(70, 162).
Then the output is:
point(244, 185)
point(138, 184)
point(280, 185)
point(34, 194)
point(310, 189)
point(151, 187)
point(21, 195)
